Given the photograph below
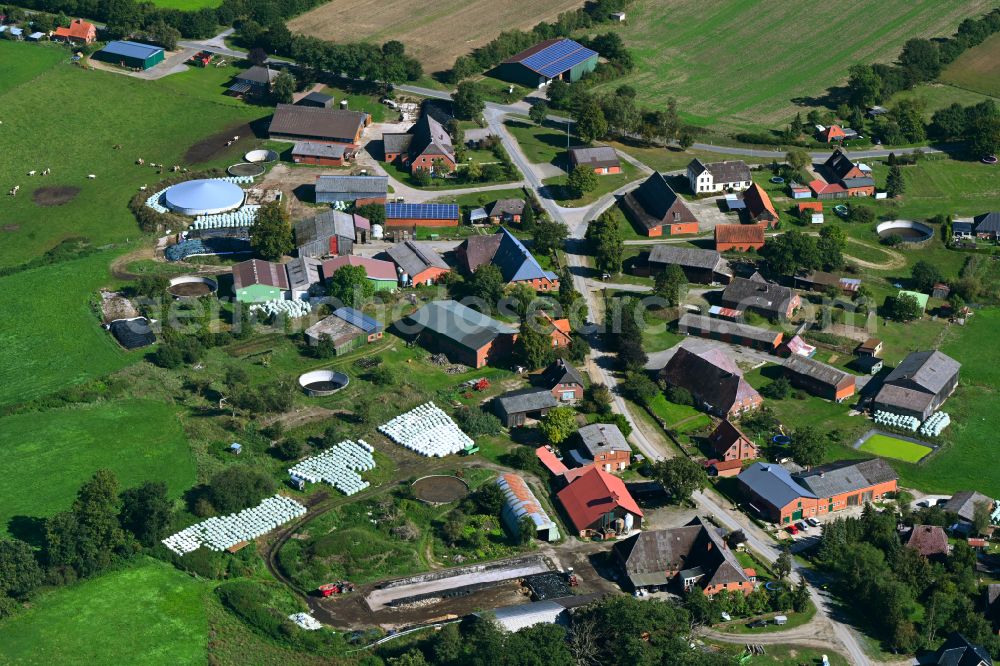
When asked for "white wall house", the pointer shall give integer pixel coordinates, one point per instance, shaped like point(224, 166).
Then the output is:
point(728, 176)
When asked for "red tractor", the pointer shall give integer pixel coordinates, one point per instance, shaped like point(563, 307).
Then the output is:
point(482, 384)
point(340, 587)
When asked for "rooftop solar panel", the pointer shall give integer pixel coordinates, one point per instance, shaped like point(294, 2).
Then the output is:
point(557, 58)
point(422, 211)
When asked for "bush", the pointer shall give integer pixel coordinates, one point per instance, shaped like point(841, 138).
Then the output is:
point(251, 603)
point(680, 396)
point(477, 423)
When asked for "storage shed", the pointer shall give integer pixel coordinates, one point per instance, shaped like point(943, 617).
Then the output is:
point(520, 501)
point(557, 58)
point(130, 54)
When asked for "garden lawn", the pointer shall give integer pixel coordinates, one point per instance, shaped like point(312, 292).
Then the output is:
point(47, 456)
point(605, 185)
point(671, 412)
point(23, 62)
point(969, 442)
point(736, 64)
point(937, 185)
point(891, 447)
point(541, 144)
point(154, 120)
point(58, 341)
point(150, 613)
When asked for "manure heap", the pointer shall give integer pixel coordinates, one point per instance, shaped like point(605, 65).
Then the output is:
point(220, 533)
point(338, 466)
point(427, 430)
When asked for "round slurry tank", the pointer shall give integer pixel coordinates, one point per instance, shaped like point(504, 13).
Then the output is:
point(192, 286)
point(251, 169)
point(204, 196)
point(908, 230)
point(323, 382)
point(261, 156)
point(440, 489)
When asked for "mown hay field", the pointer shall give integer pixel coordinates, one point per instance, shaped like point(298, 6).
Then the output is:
point(434, 32)
point(977, 69)
point(738, 64)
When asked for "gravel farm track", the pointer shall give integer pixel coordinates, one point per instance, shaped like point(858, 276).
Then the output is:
point(421, 26)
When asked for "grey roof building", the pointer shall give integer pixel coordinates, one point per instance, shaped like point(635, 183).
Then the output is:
point(691, 555)
point(598, 158)
point(332, 232)
point(293, 123)
point(846, 476)
point(919, 385)
point(713, 379)
point(729, 331)
point(702, 266)
point(515, 407)
point(346, 328)
point(963, 504)
point(987, 224)
point(316, 99)
point(820, 379)
point(463, 334)
point(414, 259)
point(655, 205)
point(600, 438)
point(958, 650)
point(351, 188)
point(767, 298)
point(303, 273)
point(718, 176)
point(505, 209)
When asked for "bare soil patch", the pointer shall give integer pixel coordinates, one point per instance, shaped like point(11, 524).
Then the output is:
point(428, 29)
point(440, 489)
point(188, 289)
point(11, 228)
point(55, 195)
point(215, 146)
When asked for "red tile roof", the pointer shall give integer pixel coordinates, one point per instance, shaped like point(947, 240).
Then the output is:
point(548, 458)
point(594, 494)
point(78, 29)
point(375, 268)
point(727, 464)
point(739, 233)
point(820, 187)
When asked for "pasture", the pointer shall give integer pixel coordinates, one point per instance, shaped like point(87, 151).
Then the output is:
point(155, 120)
point(187, 5)
point(22, 62)
point(887, 446)
point(59, 341)
point(734, 64)
point(150, 613)
point(977, 69)
point(427, 29)
point(47, 456)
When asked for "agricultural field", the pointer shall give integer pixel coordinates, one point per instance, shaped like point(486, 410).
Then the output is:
point(23, 63)
point(892, 447)
point(155, 120)
point(737, 65)
point(61, 342)
point(977, 69)
point(187, 5)
point(140, 440)
point(427, 29)
point(147, 614)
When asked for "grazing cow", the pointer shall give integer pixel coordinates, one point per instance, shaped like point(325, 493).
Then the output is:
point(91, 176)
point(32, 172)
point(142, 189)
point(47, 172)
point(140, 161)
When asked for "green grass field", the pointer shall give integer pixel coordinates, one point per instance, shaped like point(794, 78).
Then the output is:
point(977, 69)
point(542, 144)
point(890, 447)
point(735, 64)
point(155, 120)
point(22, 63)
point(47, 456)
point(148, 614)
point(60, 341)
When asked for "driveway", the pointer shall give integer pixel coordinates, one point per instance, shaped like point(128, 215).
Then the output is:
point(710, 213)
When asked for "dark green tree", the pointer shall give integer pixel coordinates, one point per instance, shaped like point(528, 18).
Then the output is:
point(283, 88)
point(467, 101)
point(533, 348)
point(895, 184)
point(238, 487)
point(671, 285)
point(146, 511)
point(537, 112)
point(809, 446)
point(271, 236)
point(581, 180)
point(549, 236)
point(487, 284)
point(680, 477)
point(350, 285)
point(20, 573)
point(925, 275)
point(558, 424)
point(590, 122)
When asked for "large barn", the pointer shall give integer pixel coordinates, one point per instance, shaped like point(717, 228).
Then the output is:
point(556, 58)
point(131, 55)
point(307, 123)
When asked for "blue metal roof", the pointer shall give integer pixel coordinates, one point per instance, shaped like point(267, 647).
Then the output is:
point(515, 262)
point(131, 49)
point(774, 484)
point(423, 211)
point(359, 319)
point(557, 58)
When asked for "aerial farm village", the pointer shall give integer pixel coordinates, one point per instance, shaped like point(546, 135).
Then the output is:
point(605, 332)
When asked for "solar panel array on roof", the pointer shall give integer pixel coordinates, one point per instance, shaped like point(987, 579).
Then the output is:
point(553, 60)
point(421, 211)
point(355, 318)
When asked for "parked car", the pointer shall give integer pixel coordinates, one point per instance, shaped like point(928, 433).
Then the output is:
point(813, 522)
point(802, 526)
point(792, 529)
point(757, 624)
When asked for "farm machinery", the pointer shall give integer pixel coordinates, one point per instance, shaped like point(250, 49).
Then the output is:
point(340, 587)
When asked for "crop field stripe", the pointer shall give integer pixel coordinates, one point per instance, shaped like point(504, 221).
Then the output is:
point(977, 69)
